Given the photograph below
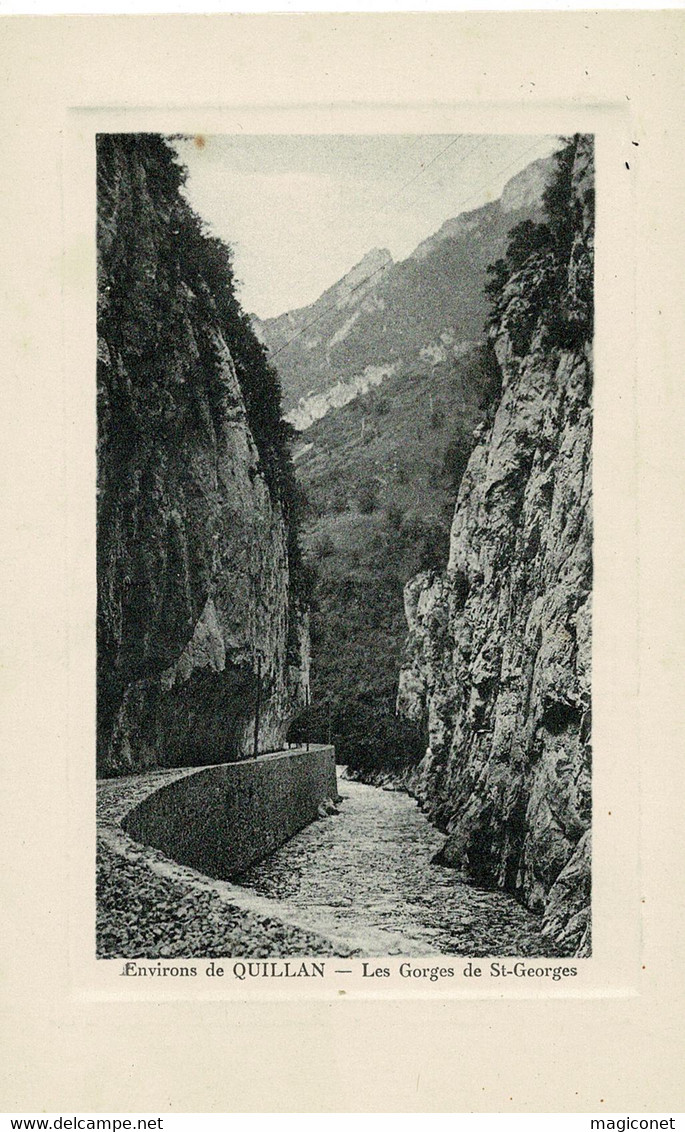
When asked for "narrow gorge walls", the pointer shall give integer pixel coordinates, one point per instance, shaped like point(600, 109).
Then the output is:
point(387, 375)
point(200, 585)
point(497, 663)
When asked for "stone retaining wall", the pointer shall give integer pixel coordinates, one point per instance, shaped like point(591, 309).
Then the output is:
point(223, 818)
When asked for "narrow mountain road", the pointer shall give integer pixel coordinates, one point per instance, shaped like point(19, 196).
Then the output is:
point(365, 876)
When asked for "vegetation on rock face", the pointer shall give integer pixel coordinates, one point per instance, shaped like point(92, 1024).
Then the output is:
point(498, 657)
point(358, 627)
point(164, 279)
point(197, 500)
point(532, 277)
point(381, 478)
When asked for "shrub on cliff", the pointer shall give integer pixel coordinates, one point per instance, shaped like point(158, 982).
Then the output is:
point(369, 738)
point(164, 276)
point(530, 283)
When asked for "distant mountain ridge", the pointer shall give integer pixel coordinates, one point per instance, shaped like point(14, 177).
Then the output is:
point(383, 317)
point(390, 388)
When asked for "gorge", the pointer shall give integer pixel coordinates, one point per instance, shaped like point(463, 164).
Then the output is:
point(443, 440)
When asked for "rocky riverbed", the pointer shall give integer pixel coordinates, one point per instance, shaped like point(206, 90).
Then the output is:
point(367, 876)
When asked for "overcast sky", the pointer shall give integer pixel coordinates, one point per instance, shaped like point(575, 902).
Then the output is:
point(300, 211)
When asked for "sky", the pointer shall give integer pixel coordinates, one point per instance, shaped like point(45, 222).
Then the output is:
point(300, 210)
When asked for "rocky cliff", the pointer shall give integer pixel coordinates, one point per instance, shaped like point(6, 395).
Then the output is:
point(497, 662)
point(200, 610)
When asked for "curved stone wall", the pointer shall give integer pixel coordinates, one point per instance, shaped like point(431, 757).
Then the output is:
point(223, 818)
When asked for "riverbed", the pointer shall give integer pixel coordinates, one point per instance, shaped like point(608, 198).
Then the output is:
point(366, 875)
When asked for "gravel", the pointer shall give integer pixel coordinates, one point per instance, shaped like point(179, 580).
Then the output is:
point(142, 914)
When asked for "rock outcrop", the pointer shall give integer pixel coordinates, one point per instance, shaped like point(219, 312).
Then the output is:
point(498, 657)
point(196, 593)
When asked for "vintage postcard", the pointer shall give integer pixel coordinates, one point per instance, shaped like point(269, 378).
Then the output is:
point(350, 545)
point(345, 552)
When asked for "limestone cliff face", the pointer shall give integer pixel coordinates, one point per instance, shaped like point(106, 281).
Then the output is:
point(498, 655)
point(195, 593)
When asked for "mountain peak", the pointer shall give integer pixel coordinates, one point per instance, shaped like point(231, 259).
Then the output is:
point(526, 188)
point(367, 271)
point(381, 314)
point(374, 260)
point(377, 256)
point(522, 191)
point(451, 229)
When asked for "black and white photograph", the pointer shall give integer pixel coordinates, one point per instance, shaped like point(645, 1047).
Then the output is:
point(344, 545)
